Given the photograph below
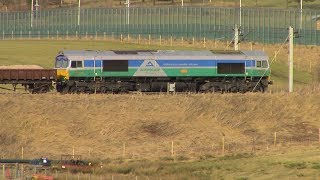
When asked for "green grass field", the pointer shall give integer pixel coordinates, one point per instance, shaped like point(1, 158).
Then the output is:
point(43, 52)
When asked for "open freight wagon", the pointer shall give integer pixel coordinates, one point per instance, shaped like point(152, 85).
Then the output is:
point(33, 80)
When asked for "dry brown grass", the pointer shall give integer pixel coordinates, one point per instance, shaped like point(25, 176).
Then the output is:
point(97, 126)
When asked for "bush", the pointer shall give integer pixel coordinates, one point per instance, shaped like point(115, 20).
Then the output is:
point(296, 165)
point(315, 166)
point(242, 178)
point(206, 156)
point(182, 158)
point(167, 158)
point(236, 156)
point(123, 170)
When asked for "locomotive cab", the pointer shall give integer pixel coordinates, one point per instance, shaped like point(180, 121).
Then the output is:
point(61, 64)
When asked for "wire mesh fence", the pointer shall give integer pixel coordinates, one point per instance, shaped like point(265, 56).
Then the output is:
point(257, 25)
point(18, 5)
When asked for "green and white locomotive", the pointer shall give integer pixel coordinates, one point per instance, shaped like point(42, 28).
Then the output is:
point(161, 71)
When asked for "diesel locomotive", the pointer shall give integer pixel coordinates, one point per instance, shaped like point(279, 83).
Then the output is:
point(88, 71)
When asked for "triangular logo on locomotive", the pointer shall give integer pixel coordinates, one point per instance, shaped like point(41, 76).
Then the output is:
point(150, 68)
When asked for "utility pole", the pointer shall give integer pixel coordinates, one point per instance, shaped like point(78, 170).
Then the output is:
point(300, 14)
point(128, 11)
point(79, 8)
point(291, 36)
point(240, 12)
point(236, 38)
point(31, 14)
point(37, 6)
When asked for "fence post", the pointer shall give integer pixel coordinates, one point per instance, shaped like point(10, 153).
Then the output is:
point(222, 144)
point(57, 35)
point(121, 37)
point(104, 35)
point(22, 172)
point(73, 152)
point(39, 35)
point(3, 171)
point(172, 149)
point(139, 38)
point(253, 144)
point(149, 39)
point(204, 41)
point(182, 41)
point(124, 150)
point(12, 35)
point(275, 139)
point(67, 33)
point(48, 34)
point(171, 41)
point(160, 40)
point(16, 170)
point(319, 135)
point(76, 34)
point(310, 66)
point(96, 35)
point(193, 41)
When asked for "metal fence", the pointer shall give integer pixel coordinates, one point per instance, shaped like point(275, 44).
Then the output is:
point(257, 25)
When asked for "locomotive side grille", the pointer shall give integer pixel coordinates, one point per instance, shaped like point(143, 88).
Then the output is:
point(231, 68)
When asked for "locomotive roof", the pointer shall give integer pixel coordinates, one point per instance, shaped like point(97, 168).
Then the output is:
point(172, 54)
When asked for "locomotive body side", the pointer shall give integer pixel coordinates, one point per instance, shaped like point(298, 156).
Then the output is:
point(194, 70)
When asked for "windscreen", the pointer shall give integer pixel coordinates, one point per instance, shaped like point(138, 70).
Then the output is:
point(61, 61)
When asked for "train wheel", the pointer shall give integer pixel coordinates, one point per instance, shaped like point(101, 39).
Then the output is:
point(123, 90)
point(262, 89)
point(103, 90)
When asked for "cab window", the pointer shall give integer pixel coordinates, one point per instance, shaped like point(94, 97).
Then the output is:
point(258, 64)
point(264, 64)
point(61, 62)
point(76, 64)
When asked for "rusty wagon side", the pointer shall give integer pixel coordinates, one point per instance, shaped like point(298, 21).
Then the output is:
point(34, 80)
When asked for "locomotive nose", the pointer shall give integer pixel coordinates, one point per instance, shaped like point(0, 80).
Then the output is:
point(62, 74)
